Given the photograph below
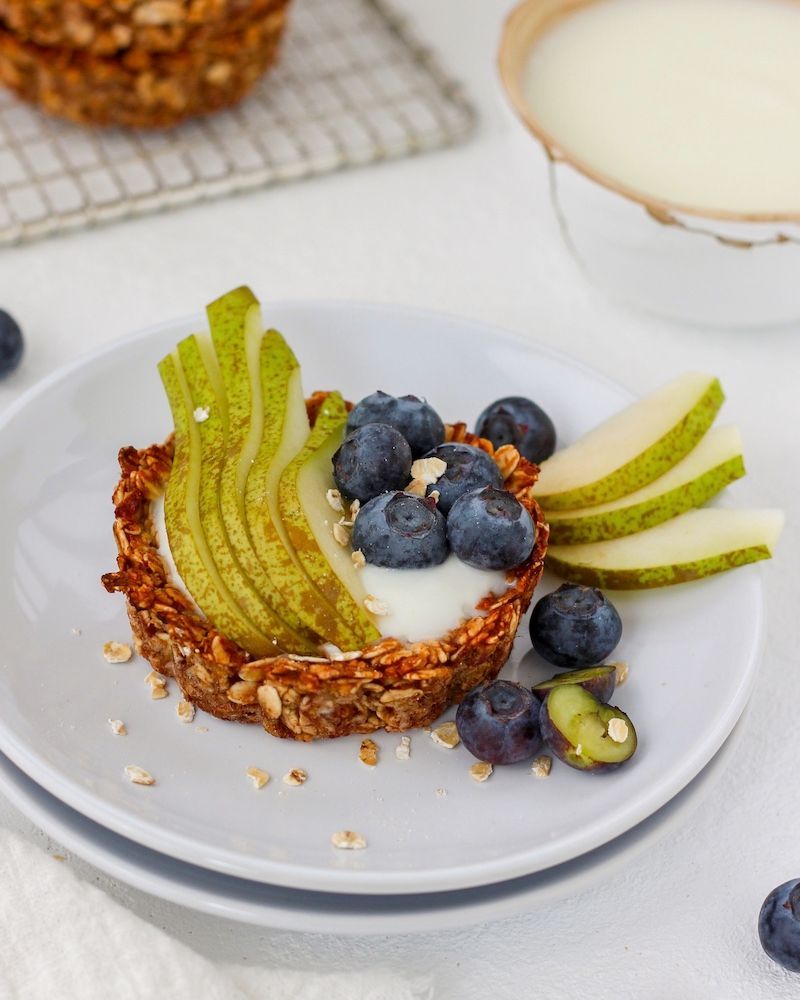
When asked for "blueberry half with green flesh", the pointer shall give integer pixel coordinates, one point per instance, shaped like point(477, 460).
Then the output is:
point(598, 681)
point(401, 531)
point(468, 468)
point(499, 723)
point(779, 925)
point(584, 732)
point(519, 421)
point(11, 343)
point(413, 417)
point(575, 626)
point(373, 459)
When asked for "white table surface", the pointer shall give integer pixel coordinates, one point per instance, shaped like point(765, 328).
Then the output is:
point(470, 231)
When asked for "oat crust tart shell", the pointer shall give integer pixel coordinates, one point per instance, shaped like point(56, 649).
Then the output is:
point(146, 87)
point(388, 684)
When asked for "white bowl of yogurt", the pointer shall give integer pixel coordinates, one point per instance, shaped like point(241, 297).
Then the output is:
point(672, 130)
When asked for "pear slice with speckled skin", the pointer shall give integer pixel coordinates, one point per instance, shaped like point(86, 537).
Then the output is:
point(707, 469)
point(202, 377)
point(187, 543)
point(632, 448)
point(690, 547)
point(285, 432)
point(310, 521)
point(237, 331)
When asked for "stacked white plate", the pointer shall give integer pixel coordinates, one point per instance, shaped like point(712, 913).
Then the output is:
point(439, 844)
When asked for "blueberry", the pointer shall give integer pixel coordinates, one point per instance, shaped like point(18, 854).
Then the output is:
point(416, 420)
point(490, 529)
point(499, 723)
point(371, 460)
point(575, 626)
point(11, 343)
point(518, 421)
point(779, 925)
point(468, 468)
point(401, 530)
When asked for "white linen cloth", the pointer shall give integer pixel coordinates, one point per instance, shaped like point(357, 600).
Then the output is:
point(62, 938)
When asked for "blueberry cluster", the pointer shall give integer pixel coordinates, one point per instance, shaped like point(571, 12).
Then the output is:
point(466, 510)
point(503, 722)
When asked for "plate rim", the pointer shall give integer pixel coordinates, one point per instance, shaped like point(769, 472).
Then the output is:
point(186, 848)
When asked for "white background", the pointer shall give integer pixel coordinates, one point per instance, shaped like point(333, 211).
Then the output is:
point(470, 231)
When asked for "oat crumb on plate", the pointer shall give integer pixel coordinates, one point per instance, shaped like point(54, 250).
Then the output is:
point(441, 792)
point(138, 775)
point(403, 749)
point(368, 752)
point(446, 735)
point(297, 776)
point(118, 727)
point(348, 840)
point(622, 671)
point(185, 711)
point(117, 652)
point(541, 766)
point(158, 685)
point(481, 771)
point(76, 631)
point(258, 778)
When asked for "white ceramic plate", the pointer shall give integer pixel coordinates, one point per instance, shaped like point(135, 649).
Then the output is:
point(692, 649)
point(317, 912)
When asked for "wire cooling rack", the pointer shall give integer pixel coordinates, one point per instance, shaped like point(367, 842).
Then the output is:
point(353, 86)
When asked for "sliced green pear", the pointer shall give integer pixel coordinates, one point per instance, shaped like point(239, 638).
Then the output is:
point(208, 403)
point(710, 467)
point(309, 517)
point(237, 332)
point(633, 447)
point(694, 545)
point(184, 531)
point(285, 431)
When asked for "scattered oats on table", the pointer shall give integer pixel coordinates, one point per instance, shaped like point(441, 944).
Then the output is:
point(446, 735)
point(118, 727)
point(348, 840)
point(297, 776)
point(117, 652)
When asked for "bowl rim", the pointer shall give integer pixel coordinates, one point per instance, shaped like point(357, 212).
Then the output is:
point(516, 42)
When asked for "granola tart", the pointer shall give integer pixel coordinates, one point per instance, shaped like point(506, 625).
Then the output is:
point(141, 88)
point(388, 684)
point(105, 27)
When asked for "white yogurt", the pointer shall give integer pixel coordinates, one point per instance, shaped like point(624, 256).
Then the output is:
point(427, 603)
point(696, 102)
point(423, 603)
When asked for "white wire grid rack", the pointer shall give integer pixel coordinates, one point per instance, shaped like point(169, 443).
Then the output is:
point(353, 86)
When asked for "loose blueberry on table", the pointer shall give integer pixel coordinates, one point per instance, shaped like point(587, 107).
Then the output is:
point(11, 343)
point(575, 626)
point(779, 925)
point(518, 421)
